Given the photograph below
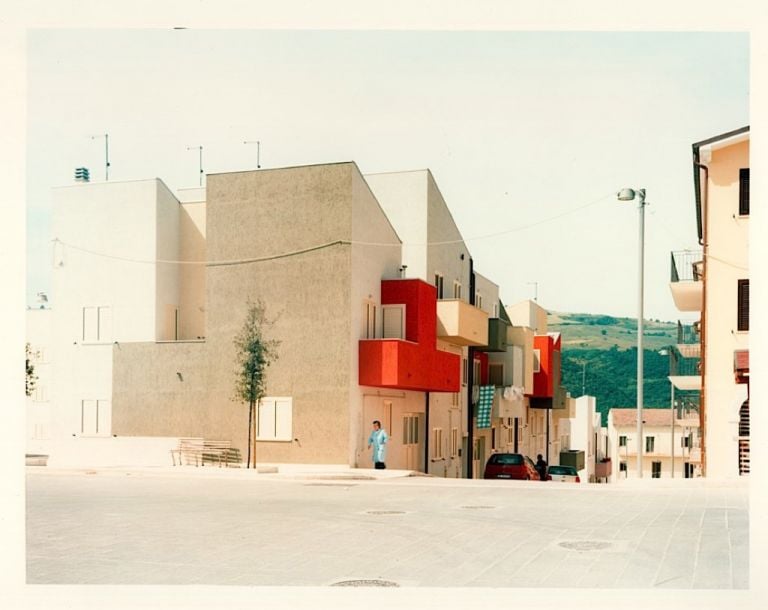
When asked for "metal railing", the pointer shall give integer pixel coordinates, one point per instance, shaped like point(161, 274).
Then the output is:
point(686, 265)
point(687, 334)
point(683, 367)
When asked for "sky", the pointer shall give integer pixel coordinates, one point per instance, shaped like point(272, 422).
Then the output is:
point(528, 134)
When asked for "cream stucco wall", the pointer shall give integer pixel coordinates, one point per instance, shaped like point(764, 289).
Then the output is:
point(727, 236)
point(530, 314)
point(109, 244)
point(192, 276)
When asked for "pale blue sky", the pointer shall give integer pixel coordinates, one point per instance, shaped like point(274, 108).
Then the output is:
point(516, 127)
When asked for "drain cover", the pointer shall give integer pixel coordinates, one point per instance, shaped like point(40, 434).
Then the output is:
point(365, 583)
point(480, 506)
point(585, 545)
point(384, 512)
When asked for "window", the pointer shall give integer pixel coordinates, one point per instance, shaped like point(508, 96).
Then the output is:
point(742, 322)
point(685, 441)
point(478, 300)
point(622, 467)
point(40, 393)
point(476, 376)
point(454, 399)
point(410, 429)
point(369, 320)
point(495, 312)
point(511, 424)
point(439, 285)
point(437, 443)
point(95, 417)
point(536, 360)
point(496, 373)
point(744, 192)
point(655, 470)
point(649, 442)
point(456, 290)
point(622, 441)
point(464, 371)
point(454, 442)
point(97, 324)
point(393, 318)
point(275, 419)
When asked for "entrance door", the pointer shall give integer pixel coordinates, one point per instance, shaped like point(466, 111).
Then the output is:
point(478, 458)
point(411, 426)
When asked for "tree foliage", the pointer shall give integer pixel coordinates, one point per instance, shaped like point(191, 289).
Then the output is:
point(254, 353)
point(31, 377)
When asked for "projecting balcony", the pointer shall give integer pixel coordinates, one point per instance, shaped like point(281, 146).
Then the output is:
point(688, 340)
point(685, 373)
point(685, 282)
point(405, 365)
point(461, 323)
point(497, 336)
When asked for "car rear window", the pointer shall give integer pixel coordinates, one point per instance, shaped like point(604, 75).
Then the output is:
point(562, 470)
point(506, 459)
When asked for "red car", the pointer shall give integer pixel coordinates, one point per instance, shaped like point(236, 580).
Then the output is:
point(511, 466)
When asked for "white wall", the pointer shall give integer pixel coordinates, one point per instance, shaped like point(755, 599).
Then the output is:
point(116, 223)
point(583, 434)
point(38, 405)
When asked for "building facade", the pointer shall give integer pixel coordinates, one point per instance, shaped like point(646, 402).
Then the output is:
point(715, 283)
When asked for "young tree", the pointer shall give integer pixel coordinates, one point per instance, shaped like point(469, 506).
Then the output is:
point(254, 354)
point(31, 377)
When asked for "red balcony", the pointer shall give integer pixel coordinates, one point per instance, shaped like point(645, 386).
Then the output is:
point(412, 362)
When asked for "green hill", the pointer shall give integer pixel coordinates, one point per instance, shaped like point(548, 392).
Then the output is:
point(599, 358)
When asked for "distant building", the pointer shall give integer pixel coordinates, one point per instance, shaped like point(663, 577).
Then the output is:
point(659, 447)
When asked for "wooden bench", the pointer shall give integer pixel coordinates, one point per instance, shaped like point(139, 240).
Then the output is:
point(189, 450)
point(205, 451)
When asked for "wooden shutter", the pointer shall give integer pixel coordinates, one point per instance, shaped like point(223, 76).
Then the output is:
point(393, 318)
point(744, 192)
point(743, 305)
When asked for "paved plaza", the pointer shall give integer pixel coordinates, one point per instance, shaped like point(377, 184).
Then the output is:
point(234, 527)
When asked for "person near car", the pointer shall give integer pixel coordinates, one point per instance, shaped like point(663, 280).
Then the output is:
point(378, 439)
point(541, 467)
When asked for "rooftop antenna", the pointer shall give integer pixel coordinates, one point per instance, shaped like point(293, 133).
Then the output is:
point(258, 151)
point(535, 290)
point(106, 153)
point(200, 149)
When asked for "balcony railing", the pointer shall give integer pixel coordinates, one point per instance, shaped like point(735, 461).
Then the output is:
point(680, 366)
point(686, 265)
point(687, 333)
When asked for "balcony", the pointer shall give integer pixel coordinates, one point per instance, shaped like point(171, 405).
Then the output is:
point(405, 365)
point(685, 373)
point(688, 340)
point(497, 336)
point(461, 323)
point(685, 282)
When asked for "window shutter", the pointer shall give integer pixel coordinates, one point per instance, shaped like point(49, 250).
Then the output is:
point(266, 418)
point(743, 305)
point(90, 324)
point(744, 192)
point(283, 420)
point(393, 321)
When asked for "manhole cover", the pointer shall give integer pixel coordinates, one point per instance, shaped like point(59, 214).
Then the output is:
point(585, 545)
point(384, 512)
point(478, 506)
point(365, 583)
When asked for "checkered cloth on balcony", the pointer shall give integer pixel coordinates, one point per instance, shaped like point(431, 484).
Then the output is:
point(484, 404)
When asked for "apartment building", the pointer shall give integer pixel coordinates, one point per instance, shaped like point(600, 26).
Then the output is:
point(714, 282)
point(151, 288)
point(670, 443)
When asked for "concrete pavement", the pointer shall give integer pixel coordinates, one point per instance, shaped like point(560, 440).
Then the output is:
point(232, 526)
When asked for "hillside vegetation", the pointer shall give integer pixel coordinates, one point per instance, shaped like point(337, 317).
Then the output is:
point(599, 358)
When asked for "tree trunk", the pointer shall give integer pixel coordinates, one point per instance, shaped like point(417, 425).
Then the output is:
point(250, 427)
point(254, 436)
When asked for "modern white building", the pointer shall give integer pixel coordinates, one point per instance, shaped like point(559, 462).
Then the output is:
point(670, 444)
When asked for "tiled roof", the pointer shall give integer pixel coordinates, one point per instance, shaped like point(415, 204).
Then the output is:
point(651, 417)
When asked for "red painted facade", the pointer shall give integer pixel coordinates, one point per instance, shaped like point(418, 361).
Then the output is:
point(547, 379)
point(414, 363)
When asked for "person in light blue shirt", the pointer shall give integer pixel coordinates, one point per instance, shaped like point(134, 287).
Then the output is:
point(378, 439)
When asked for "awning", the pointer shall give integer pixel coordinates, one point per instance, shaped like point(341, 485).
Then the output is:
point(484, 404)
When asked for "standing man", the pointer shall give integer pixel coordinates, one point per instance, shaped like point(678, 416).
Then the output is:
point(541, 467)
point(378, 439)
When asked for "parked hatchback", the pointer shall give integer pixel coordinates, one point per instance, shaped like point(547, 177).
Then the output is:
point(510, 466)
point(564, 474)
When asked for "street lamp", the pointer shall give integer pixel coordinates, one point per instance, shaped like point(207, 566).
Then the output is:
point(630, 195)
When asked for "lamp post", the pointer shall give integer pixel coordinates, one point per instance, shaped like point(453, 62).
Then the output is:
point(629, 195)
